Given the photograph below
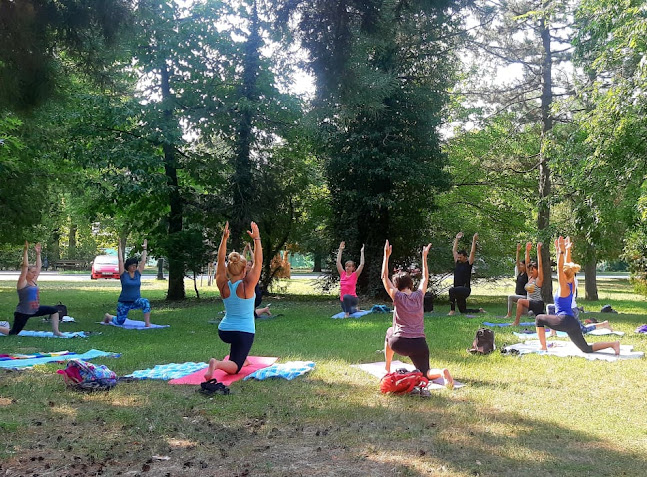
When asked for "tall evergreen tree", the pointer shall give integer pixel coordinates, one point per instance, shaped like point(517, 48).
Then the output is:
point(382, 73)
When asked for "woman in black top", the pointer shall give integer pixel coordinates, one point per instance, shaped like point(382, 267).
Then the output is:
point(462, 275)
point(521, 280)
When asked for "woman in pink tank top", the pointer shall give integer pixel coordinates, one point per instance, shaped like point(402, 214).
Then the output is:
point(348, 276)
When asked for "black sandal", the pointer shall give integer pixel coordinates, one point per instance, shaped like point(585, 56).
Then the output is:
point(213, 387)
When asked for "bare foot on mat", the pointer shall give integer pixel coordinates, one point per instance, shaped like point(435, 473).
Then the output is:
point(212, 367)
point(449, 380)
point(616, 347)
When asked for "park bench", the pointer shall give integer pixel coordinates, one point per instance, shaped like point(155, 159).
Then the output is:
point(70, 265)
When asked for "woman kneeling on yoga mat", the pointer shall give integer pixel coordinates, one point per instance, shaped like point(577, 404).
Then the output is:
point(236, 286)
point(407, 335)
point(563, 319)
point(130, 298)
point(28, 296)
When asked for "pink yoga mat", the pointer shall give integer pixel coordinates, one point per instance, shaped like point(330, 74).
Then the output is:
point(257, 362)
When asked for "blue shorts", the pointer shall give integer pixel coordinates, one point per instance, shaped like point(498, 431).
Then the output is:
point(123, 308)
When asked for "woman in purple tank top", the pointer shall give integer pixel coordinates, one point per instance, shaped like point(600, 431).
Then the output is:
point(563, 319)
point(407, 335)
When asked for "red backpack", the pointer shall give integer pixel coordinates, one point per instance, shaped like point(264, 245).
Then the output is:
point(402, 381)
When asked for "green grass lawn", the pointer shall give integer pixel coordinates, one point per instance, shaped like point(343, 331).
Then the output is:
point(530, 416)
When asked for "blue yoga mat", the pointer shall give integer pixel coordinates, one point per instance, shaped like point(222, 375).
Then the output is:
point(49, 334)
point(169, 371)
point(289, 370)
point(358, 314)
point(135, 325)
point(525, 323)
point(22, 363)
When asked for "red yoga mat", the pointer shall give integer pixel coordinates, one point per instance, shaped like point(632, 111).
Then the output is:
point(256, 363)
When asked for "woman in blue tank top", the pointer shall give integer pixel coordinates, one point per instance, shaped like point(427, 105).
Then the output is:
point(237, 289)
point(563, 319)
point(130, 275)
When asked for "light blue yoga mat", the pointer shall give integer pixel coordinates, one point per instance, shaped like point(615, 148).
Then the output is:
point(524, 323)
point(22, 363)
point(135, 325)
point(169, 371)
point(289, 370)
point(358, 314)
point(49, 334)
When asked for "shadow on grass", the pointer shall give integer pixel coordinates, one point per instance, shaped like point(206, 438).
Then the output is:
point(308, 426)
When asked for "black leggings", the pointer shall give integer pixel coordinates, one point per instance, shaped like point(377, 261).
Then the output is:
point(241, 342)
point(415, 348)
point(20, 319)
point(568, 324)
point(458, 296)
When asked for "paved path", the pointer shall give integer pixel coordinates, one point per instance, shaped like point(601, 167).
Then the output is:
point(53, 276)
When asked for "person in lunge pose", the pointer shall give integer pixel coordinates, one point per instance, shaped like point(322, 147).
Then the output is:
point(407, 334)
point(236, 286)
point(348, 276)
point(520, 282)
point(28, 296)
point(130, 298)
point(533, 301)
point(585, 328)
point(462, 276)
point(563, 319)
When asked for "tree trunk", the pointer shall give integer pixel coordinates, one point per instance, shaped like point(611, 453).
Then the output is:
point(55, 246)
point(160, 269)
point(317, 262)
point(175, 264)
point(591, 279)
point(195, 285)
point(543, 215)
point(71, 244)
point(370, 281)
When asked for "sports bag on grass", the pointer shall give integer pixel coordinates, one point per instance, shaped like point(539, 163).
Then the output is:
point(483, 342)
point(402, 381)
point(62, 311)
point(81, 375)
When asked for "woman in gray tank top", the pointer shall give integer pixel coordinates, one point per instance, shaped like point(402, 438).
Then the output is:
point(533, 301)
point(28, 295)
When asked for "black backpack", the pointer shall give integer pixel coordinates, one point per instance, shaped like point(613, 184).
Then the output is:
point(483, 342)
point(62, 311)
